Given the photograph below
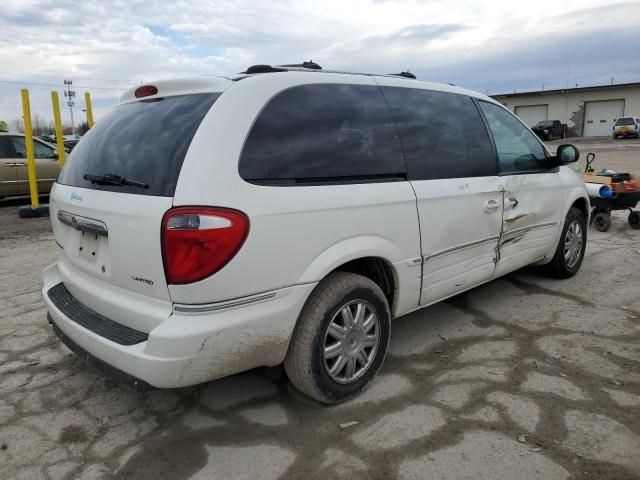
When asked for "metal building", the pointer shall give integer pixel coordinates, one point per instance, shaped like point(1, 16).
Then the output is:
point(587, 111)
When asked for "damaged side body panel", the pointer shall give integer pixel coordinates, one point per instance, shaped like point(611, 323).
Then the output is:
point(531, 219)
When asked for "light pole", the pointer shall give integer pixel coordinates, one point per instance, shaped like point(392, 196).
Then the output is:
point(70, 94)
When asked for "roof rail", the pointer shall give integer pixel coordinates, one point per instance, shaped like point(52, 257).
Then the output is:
point(406, 74)
point(263, 69)
point(310, 64)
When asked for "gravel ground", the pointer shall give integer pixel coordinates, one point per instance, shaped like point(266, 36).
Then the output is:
point(522, 378)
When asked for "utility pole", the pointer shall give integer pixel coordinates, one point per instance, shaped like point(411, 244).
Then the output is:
point(70, 94)
point(566, 104)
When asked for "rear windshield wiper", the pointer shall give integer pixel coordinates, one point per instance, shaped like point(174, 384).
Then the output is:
point(112, 179)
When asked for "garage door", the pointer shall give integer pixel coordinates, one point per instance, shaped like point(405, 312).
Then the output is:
point(598, 117)
point(532, 114)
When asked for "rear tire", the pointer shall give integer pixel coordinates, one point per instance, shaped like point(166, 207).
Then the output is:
point(315, 352)
point(570, 251)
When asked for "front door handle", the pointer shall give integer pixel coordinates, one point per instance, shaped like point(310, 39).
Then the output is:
point(491, 206)
point(510, 203)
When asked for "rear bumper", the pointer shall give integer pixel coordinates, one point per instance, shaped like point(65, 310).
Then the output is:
point(627, 133)
point(105, 368)
point(186, 348)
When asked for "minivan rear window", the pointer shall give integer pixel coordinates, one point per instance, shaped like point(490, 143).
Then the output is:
point(144, 141)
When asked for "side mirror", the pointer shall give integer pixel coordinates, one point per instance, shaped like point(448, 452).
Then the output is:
point(566, 154)
point(54, 155)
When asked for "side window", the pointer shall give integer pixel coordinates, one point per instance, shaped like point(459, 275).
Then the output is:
point(442, 133)
point(518, 149)
point(323, 132)
point(19, 146)
point(4, 148)
point(40, 150)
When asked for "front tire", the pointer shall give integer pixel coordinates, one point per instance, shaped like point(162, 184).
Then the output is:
point(634, 219)
point(573, 242)
point(341, 338)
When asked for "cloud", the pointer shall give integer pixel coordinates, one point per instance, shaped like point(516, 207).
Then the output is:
point(108, 46)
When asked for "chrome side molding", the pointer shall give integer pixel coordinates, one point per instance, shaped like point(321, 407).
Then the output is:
point(446, 251)
point(83, 224)
point(212, 307)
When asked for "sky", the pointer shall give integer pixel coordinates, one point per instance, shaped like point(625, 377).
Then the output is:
point(492, 46)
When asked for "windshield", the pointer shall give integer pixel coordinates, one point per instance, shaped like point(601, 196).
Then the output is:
point(144, 141)
point(624, 121)
point(545, 123)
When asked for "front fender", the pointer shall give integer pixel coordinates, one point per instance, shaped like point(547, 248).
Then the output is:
point(575, 192)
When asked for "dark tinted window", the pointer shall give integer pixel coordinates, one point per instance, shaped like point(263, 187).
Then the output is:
point(145, 141)
point(624, 121)
point(519, 150)
point(4, 148)
point(323, 132)
point(443, 134)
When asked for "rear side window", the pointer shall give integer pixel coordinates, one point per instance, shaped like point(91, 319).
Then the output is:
point(442, 133)
point(323, 132)
point(624, 121)
point(144, 141)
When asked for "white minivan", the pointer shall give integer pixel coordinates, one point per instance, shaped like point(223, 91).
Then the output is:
point(287, 215)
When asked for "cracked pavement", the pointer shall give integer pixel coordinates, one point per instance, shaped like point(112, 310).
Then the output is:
point(523, 378)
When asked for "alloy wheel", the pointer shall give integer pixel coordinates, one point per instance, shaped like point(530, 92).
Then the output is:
point(351, 341)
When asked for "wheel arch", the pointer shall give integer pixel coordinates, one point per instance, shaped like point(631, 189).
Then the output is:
point(377, 269)
point(582, 204)
point(579, 199)
point(370, 256)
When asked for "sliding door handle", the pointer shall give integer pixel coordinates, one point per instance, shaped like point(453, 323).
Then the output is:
point(491, 206)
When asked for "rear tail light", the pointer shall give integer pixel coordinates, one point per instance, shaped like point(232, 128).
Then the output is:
point(199, 241)
point(145, 91)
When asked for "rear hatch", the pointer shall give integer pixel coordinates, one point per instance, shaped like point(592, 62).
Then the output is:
point(625, 125)
point(110, 198)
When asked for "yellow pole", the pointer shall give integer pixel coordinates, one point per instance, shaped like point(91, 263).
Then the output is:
point(28, 140)
point(87, 102)
point(59, 135)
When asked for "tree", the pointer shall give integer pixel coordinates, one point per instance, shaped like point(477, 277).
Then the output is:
point(17, 125)
point(82, 128)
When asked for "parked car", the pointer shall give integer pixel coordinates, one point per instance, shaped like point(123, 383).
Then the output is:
point(14, 179)
point(626, 127)
point(549, 129)
point(69, 141)
point(214, 225)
